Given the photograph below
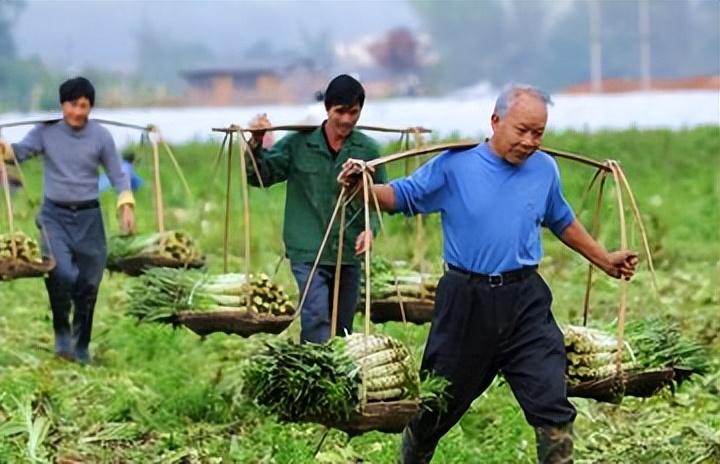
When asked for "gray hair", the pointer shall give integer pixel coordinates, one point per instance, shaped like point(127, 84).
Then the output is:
point(510, 92)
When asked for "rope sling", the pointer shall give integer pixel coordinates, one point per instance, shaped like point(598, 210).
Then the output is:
point(246, 323)
point(621, 382)
point(21, 263)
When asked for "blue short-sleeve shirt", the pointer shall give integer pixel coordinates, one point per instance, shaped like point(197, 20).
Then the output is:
point(491, 210)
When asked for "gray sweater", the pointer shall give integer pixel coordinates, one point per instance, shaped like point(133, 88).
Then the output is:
point(72, 159)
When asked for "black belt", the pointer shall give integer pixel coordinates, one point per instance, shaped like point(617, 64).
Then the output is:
point(497, 280)
point(78, 206)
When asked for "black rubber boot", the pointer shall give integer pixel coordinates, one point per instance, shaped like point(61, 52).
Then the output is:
point(412, 452)
point(554, 444)
point(64, 345)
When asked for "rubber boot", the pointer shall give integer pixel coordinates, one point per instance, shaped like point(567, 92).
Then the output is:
point(554, 444)
point(64, 345)
point(411, 451)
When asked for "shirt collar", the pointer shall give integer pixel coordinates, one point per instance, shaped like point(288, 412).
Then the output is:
point(486, 151)
point(317, 139)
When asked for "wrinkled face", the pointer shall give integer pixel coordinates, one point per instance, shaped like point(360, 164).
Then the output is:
point(342, 119)
point(517, 135)
point(76, 112)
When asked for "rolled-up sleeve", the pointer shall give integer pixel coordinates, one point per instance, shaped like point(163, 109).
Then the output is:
point(558, 213)
point(424, 191)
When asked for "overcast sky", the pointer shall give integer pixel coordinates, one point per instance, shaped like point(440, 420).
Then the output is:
point(76, 33)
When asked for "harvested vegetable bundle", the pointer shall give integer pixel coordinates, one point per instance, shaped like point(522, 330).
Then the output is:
point(588, 341)
point(162, 293)
point(387, 282)
point(650, 344)
point(25, 248)
point(309, 382)
point(170, 247)
point(659, 343)
point(20, 257)
point(385, 365)
point(591, 354)
point(297, 382)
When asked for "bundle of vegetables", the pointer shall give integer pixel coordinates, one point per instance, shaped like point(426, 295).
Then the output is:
point(591, 354)
point(651, 343)
point(26, 249)
point(161, 293)
point(659, 343)
point(312, 381)
point(388, 279)
point(175, 245)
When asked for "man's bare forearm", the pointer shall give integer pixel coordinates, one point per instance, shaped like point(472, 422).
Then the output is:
point(385, 196)
point(576, 237)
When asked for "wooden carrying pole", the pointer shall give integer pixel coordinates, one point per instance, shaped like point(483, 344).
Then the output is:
point(310, 127)
point(155, 141)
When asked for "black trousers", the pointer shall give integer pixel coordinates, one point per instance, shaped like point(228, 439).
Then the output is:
point(478, 331)
point(76, 240)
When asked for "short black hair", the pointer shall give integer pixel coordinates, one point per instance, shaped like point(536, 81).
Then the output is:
point(344, 90)
point(75, 88)
point(129, 156)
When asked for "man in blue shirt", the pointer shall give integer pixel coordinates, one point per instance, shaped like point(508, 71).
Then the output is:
point(492, 309)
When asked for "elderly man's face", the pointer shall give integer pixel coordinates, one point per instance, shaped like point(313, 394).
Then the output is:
point(76, 112)
point(517, 135)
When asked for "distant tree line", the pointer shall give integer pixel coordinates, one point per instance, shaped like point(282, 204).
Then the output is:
point(538, 42)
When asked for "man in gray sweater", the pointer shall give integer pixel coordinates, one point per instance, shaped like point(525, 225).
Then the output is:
point(73, 149)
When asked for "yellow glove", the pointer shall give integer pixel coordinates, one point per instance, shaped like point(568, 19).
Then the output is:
point(6, 151)
point(125, 198)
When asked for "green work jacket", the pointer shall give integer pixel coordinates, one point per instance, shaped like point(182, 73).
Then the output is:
point(305, 162)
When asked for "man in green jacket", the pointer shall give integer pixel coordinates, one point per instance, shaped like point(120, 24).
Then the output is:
point(310, 163)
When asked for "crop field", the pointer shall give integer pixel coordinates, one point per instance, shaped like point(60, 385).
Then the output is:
point(165, 395)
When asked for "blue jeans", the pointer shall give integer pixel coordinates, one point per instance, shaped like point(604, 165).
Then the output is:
point(76, 240)
point(317, 309)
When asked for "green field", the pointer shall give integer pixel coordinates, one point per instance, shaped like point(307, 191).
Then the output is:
point(161, 395)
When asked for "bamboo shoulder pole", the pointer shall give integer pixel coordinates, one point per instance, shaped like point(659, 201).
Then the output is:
point(108, 122)
point(311, 127)
point(422, 151)
point(576, 157)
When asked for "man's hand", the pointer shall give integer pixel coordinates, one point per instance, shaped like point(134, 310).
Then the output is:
point(257, 127)
point(6, 151)
point(127, 219)
point(360, 242)
point(351, 173)
point(621, 264)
